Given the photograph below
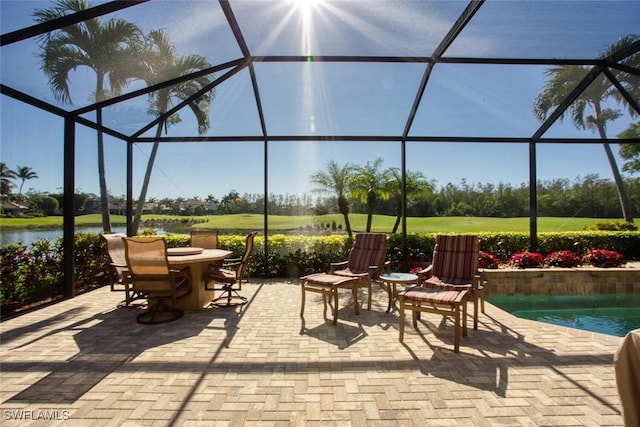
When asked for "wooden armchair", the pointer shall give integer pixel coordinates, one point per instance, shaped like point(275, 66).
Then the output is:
point(149, 274)
point(455, 267)
point(452, 277)
point(230, 277)
point(365, 262)
point(205, 238)
point(118, 266)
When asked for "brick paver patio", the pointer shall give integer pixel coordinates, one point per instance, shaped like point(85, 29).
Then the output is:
point(86, 362)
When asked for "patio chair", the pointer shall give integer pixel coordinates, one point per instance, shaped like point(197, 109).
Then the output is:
point(419, 299)
point(365, 262)
point(455, 268)
point(205, 238)
point(230, 275)
point(149, 273)
point(118, 266)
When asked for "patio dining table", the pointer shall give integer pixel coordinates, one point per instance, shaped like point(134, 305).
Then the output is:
point(198, 260)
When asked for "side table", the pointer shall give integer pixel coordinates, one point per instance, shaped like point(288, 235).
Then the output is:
point(391, 280)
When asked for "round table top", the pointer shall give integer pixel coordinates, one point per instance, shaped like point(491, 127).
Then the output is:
point(399, 277)
point(184, 251)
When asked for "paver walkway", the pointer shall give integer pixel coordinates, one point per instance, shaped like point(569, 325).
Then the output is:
point(86, 362)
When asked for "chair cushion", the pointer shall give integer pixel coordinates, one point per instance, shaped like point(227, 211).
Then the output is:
point(349, 272)
point(430, 295)
point(368, 250)
point(455, 259)
point(329, 280)
point(221, 275)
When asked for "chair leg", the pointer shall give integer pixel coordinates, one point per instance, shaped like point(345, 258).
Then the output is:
point(302, 286)
point(159, 312)
point(475, 311)
point(456, 339)
point(354, 293)
point(464, 318)
point(335, 305)
point(369, 288)
point(229, 293)
point(402, 320)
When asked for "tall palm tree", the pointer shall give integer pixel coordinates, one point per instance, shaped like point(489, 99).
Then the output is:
point(564, 78)
point(158, 62)
point(631, 152)
point(415, 185)
point(94, 44)
point(24, 173)
point(336, 180)
point(370, 184)
point(6, 178)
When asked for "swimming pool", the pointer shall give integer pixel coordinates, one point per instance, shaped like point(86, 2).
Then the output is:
point(612, 314)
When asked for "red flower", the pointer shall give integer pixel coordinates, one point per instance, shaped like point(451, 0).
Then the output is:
point(526, 260)
point(488, 260)
point(603, 258)
point(562, 259)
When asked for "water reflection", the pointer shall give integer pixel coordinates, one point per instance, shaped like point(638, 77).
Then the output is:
point(26, 237)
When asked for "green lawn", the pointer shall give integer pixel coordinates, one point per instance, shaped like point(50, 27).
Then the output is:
point(381, 223)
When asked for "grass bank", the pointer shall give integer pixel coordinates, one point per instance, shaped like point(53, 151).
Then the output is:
point(381, 223)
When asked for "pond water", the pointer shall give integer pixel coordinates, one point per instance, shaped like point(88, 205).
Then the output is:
point(612, 314)
point(27, 236)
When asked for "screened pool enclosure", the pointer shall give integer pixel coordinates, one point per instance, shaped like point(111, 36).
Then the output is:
point(255, 96)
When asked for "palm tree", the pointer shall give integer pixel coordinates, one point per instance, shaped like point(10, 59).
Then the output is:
point(336, 180)
point(370, 184)
point(24, 173)
point(631, 152)
point(6, 178)
point(563, 79)
point(97, 45)
point(159, 62)
point(415, 185)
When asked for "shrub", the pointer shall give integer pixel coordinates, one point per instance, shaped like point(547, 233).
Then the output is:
point(613, 226)
point(488, 260)
point(603, 258)
point(563, 258)
point(526, 260)
point(410, 266)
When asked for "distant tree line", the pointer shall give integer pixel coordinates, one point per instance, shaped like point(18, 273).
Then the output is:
point(591, 197)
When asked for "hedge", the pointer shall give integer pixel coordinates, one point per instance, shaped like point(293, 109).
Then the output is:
point(32, 274)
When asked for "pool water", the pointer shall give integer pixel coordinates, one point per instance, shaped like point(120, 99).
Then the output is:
point(612, 314)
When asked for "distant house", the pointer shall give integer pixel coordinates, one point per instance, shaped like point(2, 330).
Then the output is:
point(149, 208)
point(14, 208)
point(116, 207)
point(194, 205)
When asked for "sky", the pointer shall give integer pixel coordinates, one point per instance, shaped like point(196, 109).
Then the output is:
point(315, 98)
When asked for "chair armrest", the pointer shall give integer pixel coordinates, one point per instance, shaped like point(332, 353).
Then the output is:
point(231, 262)
point(478, 282)
point(337, 265)
point(386, 267)
point(426, 271)
point(373, 271)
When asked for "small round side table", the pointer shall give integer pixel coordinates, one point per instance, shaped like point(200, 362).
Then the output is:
point(391, 280)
